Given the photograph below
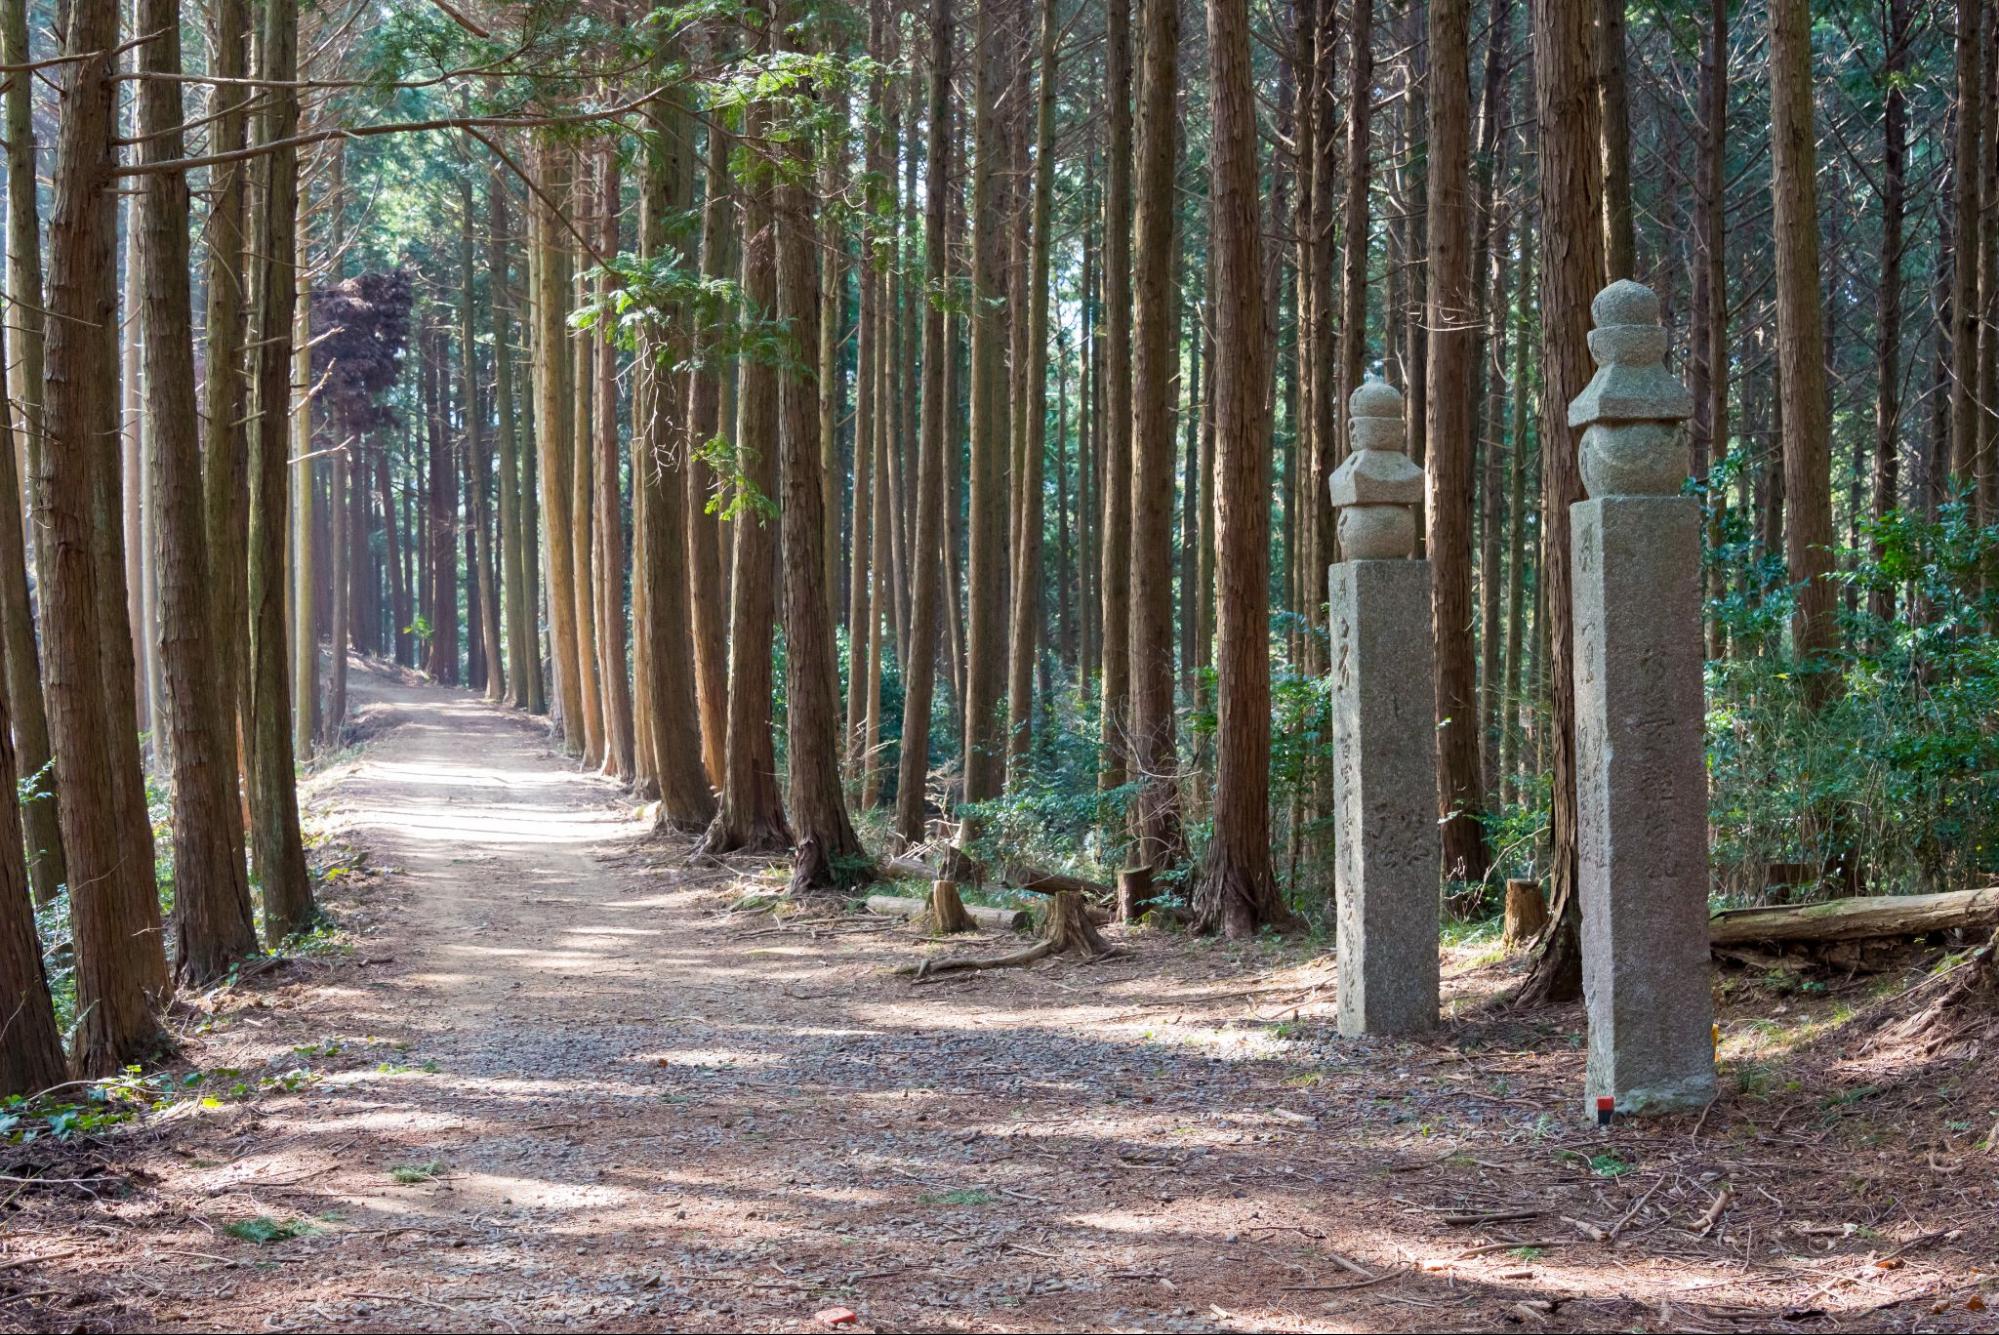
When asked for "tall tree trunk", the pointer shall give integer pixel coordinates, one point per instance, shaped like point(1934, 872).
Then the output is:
point(43, 866)
point(1089, 412)
point(1571, 182)
point(1354, 225)
point(478, 450)
point(1492, 509)
point(615, 683)
point(442, 585)
point(47, 866)
point(306, 608)
point(863, 676)
point(1115, 583)
point(130, 472)
point(829, 856)
point(278, 850)
point(926, 566)
point(1708, 436)
point(551, 421)
point(1518, 519)
point(393, 548)
point(1619, 235)
point(751, 816)
point(833, 170)
point(335, 716)
point(1237, 890)
point(673, 741)
point(1987, 471)
point(1025, 637)
point(24, 238)
point(1888, 361)
point(1327, 205)
point(1451, 318)
point(704, 421)
point(212, 927)
point(1489, 271)
point(523, 690)
point(31, 1058)
point(1966, 176)
point(1157, 824)
point(583, 501)
point(120, 966)
point(880, 607)
point(1801, 344)
point(985, 653)
point(1411, 343)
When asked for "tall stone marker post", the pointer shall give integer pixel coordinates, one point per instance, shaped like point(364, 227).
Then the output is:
point(1384, 732)
point(1641, 775)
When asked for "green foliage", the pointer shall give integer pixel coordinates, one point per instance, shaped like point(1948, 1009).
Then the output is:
point(738, 494)
point(1053, 813)
point(103, 1104)
point(1900, 768)
point(265, 1229)
point(414, 1174)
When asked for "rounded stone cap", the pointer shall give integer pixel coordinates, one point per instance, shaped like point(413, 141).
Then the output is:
point(1625, 302)
point(1377, 533)
point(1375, 398)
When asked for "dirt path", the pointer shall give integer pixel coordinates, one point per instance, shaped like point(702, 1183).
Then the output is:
point(615, 1103)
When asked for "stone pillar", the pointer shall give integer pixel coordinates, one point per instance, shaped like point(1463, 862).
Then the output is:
point(1641, 773)
point(1384, 732)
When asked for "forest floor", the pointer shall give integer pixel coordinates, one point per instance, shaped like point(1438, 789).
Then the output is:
point(550, 1075)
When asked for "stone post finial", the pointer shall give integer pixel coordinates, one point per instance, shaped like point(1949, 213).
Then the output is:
point(1633, 407)
point(1377, 489)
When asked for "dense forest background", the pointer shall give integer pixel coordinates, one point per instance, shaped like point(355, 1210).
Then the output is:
point(875, 427)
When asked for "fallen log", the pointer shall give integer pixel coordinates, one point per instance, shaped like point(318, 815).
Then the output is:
point(1856, 919)
point(1024, 875)
point(895, 906)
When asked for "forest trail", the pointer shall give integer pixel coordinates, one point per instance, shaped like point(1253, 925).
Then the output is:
point(616, 1102)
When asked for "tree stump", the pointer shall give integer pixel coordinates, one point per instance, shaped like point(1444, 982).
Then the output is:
point(1526, 913)
point(1068, 930)
point(947, 910)
point(1135, 893)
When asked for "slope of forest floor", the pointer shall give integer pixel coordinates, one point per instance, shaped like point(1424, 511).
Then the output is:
point(549, 1074)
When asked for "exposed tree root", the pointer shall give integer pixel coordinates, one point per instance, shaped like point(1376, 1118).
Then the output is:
point(813, 872)
point(1557, 975)
point(1962, 1018)
point(1238, 901)
point(1067, 931)
point(725, 836)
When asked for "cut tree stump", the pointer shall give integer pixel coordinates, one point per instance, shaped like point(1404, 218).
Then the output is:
point(1068, 930)
point(1134, 893)
point(1526, 913)
point(1857, 919)
point(899, 906)
point(947, 911)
